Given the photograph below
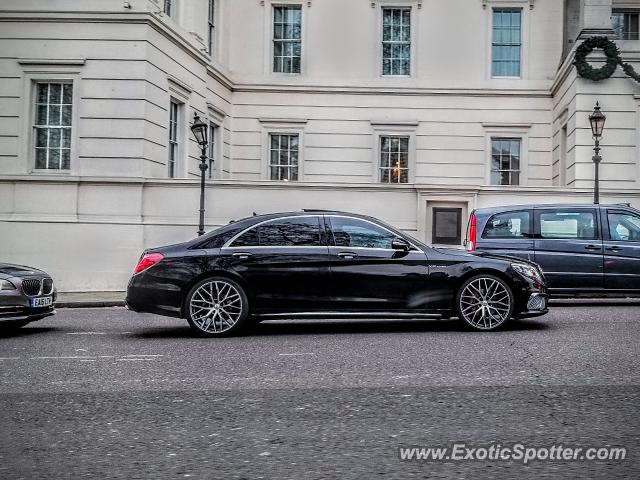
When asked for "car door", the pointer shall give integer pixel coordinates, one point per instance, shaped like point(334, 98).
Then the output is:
point(568, 247)
point(368, 274)
point(284, 263)
point(621, 249)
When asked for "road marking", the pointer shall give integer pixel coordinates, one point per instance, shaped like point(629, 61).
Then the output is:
point(294, 354)
point(76, 357)
point(141, 355)
point(86, 333)
point(9, 358)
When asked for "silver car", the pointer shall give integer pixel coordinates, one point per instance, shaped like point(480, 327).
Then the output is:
point(26, 295)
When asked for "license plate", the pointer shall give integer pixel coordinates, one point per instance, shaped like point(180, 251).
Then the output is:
point(42, 302)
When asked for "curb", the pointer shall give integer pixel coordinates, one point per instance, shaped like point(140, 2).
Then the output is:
point(90, 304)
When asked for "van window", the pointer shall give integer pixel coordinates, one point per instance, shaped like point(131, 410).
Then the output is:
point(508, 225)
point(624, 226)
point(578, 225)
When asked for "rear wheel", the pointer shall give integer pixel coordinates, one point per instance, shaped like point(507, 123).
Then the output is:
point(485, 302)
point(216, 307)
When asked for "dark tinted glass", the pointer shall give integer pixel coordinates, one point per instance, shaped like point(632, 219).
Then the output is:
point(508, 225)
point(289, 232)
point(352, 232)
point(292, 232)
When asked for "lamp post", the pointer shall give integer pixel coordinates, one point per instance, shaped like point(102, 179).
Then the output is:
point(199, 129)
point(597, 119)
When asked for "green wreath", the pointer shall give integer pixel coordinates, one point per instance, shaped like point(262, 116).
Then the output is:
point(612, 53)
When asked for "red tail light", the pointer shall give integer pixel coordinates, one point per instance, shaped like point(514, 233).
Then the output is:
point(471, 233)
point(147, 260)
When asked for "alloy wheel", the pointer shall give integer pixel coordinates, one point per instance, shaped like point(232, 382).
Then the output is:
point(485, 303)
point(215, 306)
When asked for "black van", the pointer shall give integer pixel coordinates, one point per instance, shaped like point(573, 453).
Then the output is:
point(582, 249)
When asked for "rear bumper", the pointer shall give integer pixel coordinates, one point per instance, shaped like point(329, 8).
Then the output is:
point(161, 299)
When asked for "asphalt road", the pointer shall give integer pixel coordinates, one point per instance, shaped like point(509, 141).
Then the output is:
point(106, 393)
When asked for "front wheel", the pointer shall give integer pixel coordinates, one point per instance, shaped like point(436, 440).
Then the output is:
point(485, 302)
point(216, 307)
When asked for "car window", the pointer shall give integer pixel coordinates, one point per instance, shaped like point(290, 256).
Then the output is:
point(566, 224)
point(508, 225)
point(352, 232)
point(624, 226)
point(287, 232)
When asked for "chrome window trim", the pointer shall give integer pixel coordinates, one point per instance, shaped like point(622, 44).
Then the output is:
point(233, 239)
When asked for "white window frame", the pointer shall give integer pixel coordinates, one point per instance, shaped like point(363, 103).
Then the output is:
point(520, 131)
point(281, 127)
point(43, 71)
point(172, 7)
point(177, 164)
point(394, 129)
point(49, 127)
point(620, 9)
point(269, 32)
point(413, 6)
point(180, 93)
point(525, 6)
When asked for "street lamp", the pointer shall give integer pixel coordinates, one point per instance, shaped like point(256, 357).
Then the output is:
point(199, 129)
point(597, 119)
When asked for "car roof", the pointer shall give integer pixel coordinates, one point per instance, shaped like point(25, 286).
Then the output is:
point(506, 208)
point(300, 213)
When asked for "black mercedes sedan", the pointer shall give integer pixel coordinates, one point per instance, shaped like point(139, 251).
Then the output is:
point(327, 264)
point(26, 295)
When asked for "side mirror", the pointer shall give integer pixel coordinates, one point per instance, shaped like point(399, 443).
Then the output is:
point(400, 244)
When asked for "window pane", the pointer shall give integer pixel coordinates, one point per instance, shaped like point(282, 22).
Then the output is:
point(41, 158)
point(42, 93)
point(351, 232)
point(66, 115)
point(508, 225)
point(624, 227)
point(41, 137)
point(303, 231)
point(54, 115)
point(54, 137)
point(567, 224)
point(247, 239)
point(67, 95)
point(506, 43)
point(54, 158)
point(55, 93)
point(396, 41)
point(65, 156)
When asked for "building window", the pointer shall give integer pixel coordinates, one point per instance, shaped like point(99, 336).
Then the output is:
point(212, 25)
point(174, 112)
point(287, 39)
point(211, 153)
point(446, 226)
point(168, 7)
point(626, 25)
point(284, 156)
point(52, 126)
point(506, 43)
point(505, 161)
point(396, 41)
point(394, 159)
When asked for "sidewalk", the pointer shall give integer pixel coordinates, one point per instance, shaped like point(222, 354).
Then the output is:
point(90, 299)
point(116, 299)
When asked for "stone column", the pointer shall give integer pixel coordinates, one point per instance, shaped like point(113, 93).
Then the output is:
point(595, 18)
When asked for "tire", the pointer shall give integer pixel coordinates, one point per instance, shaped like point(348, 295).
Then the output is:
point(485, 302)
point(216, 307)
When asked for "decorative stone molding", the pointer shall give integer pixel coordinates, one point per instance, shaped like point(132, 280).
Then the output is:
point(374, 3)
point(530, 2)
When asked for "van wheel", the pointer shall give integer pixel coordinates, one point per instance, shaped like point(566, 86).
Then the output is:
point(216, 307)
point(485, 302)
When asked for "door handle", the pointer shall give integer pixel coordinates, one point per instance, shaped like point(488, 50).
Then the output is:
point(592, 247)
point(241, 255)
point(348, 255)
point(614, 249)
